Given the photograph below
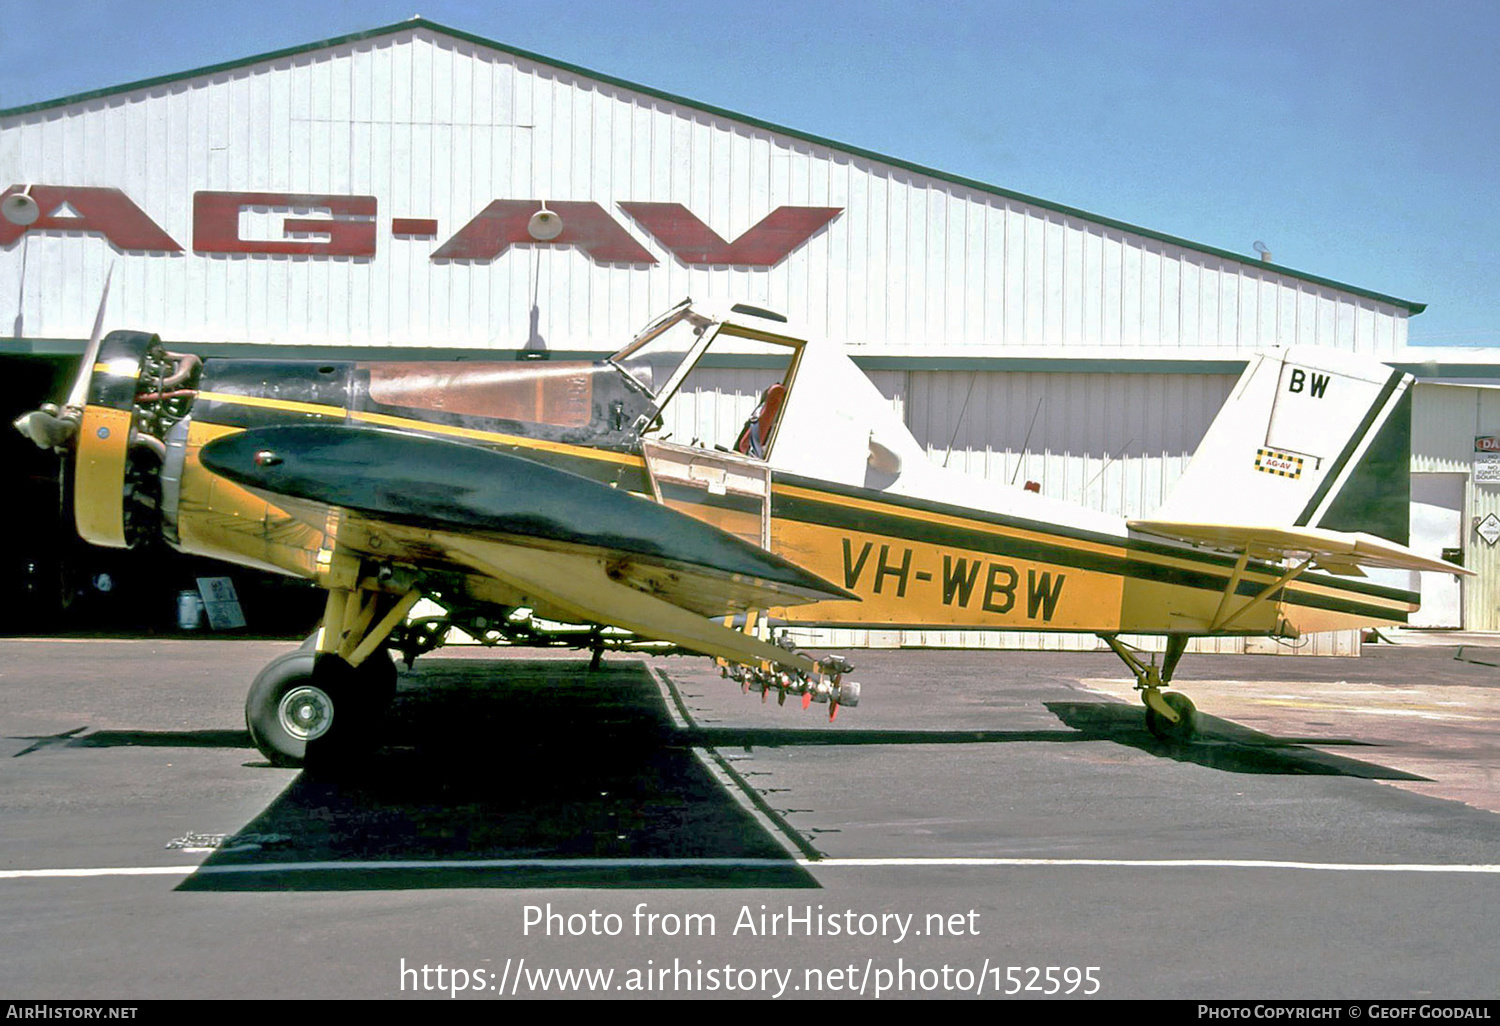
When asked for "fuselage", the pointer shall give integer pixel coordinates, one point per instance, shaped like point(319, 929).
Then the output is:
point(914, 561)
point(920, 546)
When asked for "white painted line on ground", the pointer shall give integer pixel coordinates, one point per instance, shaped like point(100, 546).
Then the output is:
point(732, 863)
point(670, 697)
point(1339, 867)
point(29, 874)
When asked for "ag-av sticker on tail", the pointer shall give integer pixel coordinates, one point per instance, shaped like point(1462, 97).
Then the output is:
point(1282, 464)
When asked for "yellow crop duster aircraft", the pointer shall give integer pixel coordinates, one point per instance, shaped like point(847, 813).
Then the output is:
point(537, 503)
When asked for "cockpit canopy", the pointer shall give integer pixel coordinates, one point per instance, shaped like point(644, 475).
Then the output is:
point(718, 380)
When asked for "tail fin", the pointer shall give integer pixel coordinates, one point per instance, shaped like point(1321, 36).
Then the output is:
point(1309, 438)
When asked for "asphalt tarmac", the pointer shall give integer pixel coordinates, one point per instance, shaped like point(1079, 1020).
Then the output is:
point(983, 822)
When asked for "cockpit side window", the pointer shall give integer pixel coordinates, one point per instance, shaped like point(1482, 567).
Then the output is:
point(733, 398)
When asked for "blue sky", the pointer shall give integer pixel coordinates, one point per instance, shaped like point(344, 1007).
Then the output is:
point(1359, 140)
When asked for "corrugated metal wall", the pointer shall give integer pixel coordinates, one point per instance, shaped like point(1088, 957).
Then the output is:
point(1111, 442)
point(436, 127)
point(1445, 421)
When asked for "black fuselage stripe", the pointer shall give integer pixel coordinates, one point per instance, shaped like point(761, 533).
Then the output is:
point(808, 511)
point(1355, 440)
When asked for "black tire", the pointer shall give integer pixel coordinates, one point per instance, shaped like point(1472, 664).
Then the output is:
point(308, 708)
point(271, 713)
point(377, 672)
point(1186, 726)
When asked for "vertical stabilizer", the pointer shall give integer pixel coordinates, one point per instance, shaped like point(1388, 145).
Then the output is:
point(1308, 438)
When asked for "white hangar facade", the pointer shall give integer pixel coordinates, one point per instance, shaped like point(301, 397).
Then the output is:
point(369, 195)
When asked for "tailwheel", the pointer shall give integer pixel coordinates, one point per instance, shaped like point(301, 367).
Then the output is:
point(1170, 715)
point(1162, 726)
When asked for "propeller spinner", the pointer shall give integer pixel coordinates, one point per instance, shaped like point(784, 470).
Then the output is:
point(51, 427)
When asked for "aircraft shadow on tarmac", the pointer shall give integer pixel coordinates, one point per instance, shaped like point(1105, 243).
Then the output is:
point(540, 774)
point(549, 776)
point(76, 738)
point(1221, 744)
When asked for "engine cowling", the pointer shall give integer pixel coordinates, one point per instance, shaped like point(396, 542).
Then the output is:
point(137, 390)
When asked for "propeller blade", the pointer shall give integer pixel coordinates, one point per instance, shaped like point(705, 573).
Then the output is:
point(80, 393)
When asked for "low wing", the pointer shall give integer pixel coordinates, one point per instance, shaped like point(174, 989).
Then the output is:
point(1338, 552)
point(578, 548)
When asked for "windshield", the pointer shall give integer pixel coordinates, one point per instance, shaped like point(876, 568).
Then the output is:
point(658, 351)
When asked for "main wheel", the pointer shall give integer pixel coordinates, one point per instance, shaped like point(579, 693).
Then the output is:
point(1186, 725)
point(287, 707)
point(303, 702)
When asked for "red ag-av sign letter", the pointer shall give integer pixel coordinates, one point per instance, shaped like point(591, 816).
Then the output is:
point(108, 212)
point(765, 245)
point(503, 223)
point(350, 228)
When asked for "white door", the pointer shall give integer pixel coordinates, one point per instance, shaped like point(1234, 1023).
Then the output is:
point(730, 491)
point(1437, 509)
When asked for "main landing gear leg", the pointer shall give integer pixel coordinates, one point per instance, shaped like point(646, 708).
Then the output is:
point(1171, 716)
point(319, 702)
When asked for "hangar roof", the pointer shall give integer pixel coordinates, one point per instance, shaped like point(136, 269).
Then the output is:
point(430, 26)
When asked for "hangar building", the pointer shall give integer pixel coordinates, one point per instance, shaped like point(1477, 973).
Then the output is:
point(367, 196)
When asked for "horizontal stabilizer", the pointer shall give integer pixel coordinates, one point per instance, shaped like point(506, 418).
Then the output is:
point(1338, 552)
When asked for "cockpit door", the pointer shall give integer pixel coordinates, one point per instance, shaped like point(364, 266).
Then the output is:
point(730, 491)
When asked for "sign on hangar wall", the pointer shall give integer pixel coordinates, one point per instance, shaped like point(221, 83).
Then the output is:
point(345, 226)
